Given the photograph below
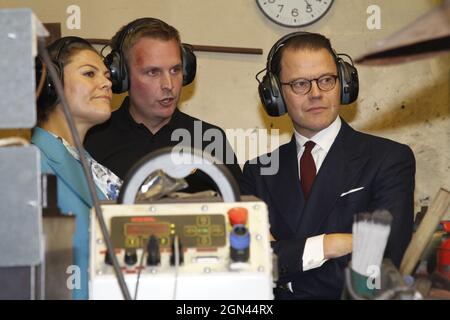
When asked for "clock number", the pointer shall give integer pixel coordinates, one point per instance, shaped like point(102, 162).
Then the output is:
point(308, 6)
point(294, 13)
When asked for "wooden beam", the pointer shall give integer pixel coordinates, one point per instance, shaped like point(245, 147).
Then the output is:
point(55, 33)
point(227, 49)
point(439, 207)
point(195, 47)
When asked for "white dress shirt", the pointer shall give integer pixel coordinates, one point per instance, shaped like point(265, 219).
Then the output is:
point(313, 255)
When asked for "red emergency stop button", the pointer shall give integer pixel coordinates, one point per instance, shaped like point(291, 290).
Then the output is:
point(238, 215)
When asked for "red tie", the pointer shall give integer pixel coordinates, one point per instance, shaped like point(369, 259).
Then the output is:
point(307, 168)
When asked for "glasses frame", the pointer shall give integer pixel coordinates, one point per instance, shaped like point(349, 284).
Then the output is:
point(291, 83)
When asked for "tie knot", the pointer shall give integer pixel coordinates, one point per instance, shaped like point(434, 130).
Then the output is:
point(309, 145)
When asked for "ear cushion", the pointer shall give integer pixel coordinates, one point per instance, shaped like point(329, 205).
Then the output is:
point(348, 76)
point(271, 97)
point(119, 74)
point(48, 96)
point(189, 64)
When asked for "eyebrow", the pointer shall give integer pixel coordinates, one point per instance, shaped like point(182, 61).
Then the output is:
point(89, 65)
point(152, 67)
point(94, 67)
point(322, 75)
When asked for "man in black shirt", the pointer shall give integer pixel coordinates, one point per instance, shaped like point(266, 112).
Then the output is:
point(149, 61)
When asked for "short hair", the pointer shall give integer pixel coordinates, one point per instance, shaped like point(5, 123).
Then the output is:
point(308, 41)
point(152, 28)
point(63, 55)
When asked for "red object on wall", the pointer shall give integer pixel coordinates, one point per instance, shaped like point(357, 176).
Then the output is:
point(443, 254)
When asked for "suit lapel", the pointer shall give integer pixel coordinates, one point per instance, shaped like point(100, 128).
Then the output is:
point(64, 165)
point(340, 169)
point(286, 188)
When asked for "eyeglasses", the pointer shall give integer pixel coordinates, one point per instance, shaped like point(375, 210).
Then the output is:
point(303, 86)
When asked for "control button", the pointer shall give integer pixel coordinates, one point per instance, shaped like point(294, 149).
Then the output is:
point(203, 220)
point(238, 215)
point(153, 252)
point(131, 242)
point(190, 230)
point(164, 241)
point(108, 259)
point(180, 252)
point(130, 257)
point(239, 243)
point(204, 240)
point(217, 230)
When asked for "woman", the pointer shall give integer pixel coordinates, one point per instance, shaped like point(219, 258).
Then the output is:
point(87, 88)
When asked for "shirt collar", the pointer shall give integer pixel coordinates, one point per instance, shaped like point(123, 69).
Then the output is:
point(324, 138)
point(126, 121)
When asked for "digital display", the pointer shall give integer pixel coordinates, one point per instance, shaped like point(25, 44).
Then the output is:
point(194, 230)
point(146, 229)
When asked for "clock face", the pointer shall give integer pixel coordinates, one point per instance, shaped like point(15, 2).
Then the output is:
point(294, 13)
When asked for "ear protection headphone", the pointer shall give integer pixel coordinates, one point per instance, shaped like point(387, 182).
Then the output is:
point(48, 96)
point(270, 91)
point(115, 60)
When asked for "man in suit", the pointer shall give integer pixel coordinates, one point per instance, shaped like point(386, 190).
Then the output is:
point(327, 173)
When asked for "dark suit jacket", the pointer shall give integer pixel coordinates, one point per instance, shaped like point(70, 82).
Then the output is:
point(383, 167)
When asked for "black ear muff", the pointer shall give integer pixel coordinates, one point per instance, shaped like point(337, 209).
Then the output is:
point(270, 94)
point(348, 77)
point(189, 64)
point(48, 96)
point(119, 74)
point(115, 60)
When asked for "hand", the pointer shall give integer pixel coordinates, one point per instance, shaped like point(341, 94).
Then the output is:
point(336, 245)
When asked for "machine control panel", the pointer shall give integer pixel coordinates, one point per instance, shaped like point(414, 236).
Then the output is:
point(223, 251)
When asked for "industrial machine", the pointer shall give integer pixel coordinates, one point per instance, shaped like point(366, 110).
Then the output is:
point(205, 249)
point(224, 251)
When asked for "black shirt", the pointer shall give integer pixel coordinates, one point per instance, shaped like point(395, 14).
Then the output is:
point(120, 142)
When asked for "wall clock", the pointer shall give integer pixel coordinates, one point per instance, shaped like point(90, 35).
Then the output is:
point(294, 13)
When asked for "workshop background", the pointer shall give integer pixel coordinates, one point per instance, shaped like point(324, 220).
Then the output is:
point(408, 102)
